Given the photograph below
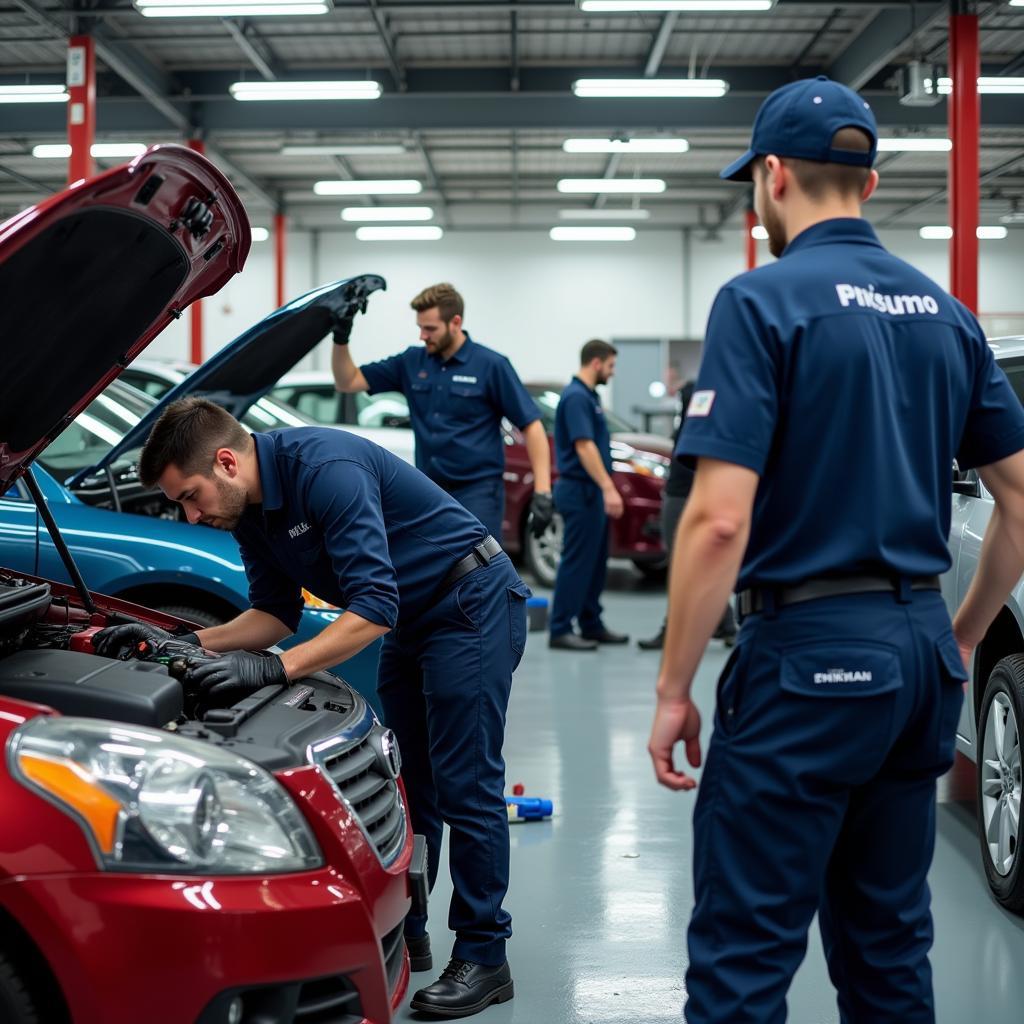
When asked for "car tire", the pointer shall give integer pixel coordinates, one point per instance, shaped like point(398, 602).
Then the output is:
point(16, 1003)
point(999, 782)
point(542, 554)
point(197, 615)
point(656, 571)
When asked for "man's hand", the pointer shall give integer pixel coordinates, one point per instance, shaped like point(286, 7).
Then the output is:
point(123, 641)
point(233, 676)
point(342, 328)
point(613, 505)
point(675, 720)
point(542, 512)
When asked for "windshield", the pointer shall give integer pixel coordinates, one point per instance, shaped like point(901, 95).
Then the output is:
point(547, 402)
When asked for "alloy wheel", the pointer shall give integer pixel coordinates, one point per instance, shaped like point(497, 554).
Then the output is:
point(1001, 783)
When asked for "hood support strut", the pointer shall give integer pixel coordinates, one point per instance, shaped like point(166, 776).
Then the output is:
point(59, 542)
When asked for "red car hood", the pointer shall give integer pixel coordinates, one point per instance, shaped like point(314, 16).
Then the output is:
point(646, 443)
point(90, 276)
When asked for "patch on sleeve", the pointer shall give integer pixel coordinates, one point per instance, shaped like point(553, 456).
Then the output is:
point(700, 403)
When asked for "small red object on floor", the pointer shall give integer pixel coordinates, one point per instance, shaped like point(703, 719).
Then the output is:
point(518, 789)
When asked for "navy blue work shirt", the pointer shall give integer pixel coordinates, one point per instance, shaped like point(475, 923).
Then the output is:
point(456, 405)
point(579, 416)
point(848, 381)
point(350, 522)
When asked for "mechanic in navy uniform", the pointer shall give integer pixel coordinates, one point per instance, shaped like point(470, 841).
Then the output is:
point(458, 391)
point(332, 512)
point(586, 497)
point(837, 387)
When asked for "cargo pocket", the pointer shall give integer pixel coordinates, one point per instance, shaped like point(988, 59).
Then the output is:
point(952, 676)
point(729, 690)
point(517, 595)
point(845, 668)
point(467, 400)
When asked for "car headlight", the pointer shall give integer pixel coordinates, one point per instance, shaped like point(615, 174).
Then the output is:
point(642, 465)
point(152, 801)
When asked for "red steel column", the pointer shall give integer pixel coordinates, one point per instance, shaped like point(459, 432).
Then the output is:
point(280, 226)
point(81, 83)
point(749, 223)
point(196, 311)
point(964, 130)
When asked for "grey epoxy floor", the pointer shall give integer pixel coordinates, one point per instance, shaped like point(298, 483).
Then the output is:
point(601, 895)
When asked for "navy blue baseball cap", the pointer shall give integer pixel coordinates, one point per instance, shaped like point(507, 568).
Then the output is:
point(800, 119)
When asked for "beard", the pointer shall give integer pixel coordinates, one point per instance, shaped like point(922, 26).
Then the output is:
point(777, 240)
point(440, 346)
point(233, 502)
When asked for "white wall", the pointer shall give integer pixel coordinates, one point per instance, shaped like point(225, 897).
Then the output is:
point(537, 300)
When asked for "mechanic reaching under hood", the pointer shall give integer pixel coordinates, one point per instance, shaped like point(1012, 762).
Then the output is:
point(327, 510)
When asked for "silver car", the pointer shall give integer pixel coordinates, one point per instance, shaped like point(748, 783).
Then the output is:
point(990, 726)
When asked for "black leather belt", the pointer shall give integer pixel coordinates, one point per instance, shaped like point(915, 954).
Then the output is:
point(481, 554)
point(757, 599)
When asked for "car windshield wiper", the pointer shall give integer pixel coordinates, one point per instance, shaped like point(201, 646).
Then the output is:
point(58, 542)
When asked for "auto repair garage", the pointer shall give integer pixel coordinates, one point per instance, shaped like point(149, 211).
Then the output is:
point(511, 509)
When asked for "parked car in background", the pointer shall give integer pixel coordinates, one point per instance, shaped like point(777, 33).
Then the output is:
point(992, 720)
point(640, 466)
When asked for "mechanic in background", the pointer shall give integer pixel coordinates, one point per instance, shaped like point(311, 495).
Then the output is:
point(458, 391)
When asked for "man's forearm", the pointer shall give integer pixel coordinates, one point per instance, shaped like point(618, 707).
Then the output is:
point(341, 640)
point(590, 459)
point(343, 367)
point(253, 630)
point(539, 452)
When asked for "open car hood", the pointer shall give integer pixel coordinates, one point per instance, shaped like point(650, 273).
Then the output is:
point(247, 368)
point(90, 276)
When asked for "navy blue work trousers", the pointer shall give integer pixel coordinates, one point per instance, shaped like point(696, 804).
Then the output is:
point(834, 719)
point(584, 564)
point(444, 682)
point(485, 499)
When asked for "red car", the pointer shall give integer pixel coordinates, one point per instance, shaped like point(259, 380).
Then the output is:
point(160, 862)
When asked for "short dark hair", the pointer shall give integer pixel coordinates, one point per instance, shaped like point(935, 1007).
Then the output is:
point(188, 435)
point(444, 297)
point(596, 349)
point(819, 180)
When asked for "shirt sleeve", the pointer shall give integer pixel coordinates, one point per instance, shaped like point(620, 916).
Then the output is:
point(513, 399)
point(578, 418)
point(734, 408)
point(995, 420)
point(344, 501)
point(385, 374)
point(271, 590)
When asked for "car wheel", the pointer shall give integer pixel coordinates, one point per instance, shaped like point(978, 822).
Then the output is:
point(656, 571)
point(197, 615)
point(545, 552)
point(1000, 828)
point(16, 1003)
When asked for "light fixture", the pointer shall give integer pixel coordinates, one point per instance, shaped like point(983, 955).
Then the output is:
point(351, 90)
point(402, 234)
point(365, 214)
point(592, 234)
point(643, 88)
point(992, 232)
point(611, 185)
point(760, 232)
point(100, 150)
point(260, 234)
point(625, 145)
point(33, 94)
point(943, 232)
point(380, 187)
point(605, 213)
point(229, 8)
point(646, 6)
point(915, 145)
point(987, 85)
point(345, 149)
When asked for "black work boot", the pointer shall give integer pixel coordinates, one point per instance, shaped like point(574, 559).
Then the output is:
point(420, 958)
point(465, 988)
point(654, 643)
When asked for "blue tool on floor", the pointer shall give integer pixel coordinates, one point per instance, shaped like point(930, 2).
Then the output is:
point(528, 808)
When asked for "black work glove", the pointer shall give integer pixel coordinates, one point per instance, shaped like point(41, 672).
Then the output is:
point(123, 641)
point(342, 327)
point(542, 512)
point(231, 677)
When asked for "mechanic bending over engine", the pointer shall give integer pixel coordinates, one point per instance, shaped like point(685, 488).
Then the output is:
point(458, 391)
point(327, 510)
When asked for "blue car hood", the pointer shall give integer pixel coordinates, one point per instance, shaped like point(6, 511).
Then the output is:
point(247, 368)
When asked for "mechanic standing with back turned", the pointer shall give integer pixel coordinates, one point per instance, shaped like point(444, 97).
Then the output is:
point(458, 390)
point(330, 511)
point(837, 386)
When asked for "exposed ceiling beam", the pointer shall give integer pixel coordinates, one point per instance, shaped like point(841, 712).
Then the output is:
point(254, 47)
point(380, 19)
point(802, 56)
point(432, 175)
point(24, 179)
point(513, 45)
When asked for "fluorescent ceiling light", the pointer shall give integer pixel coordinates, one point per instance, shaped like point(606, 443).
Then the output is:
point(943, 232)
point(101, 150)
point(33, 94)
point(260, 234)
point(403, 234)
point(915, 145)
point(760, 232)
point(643, 6)
point(247, 91)
point(592, 234)
point(593, 186)
point(987, 85)
point(343, 149)
point(234, 11)
point(366, 214)
point(625, 145)
point(605, 214)
point(640, 88)
point(396, 187)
